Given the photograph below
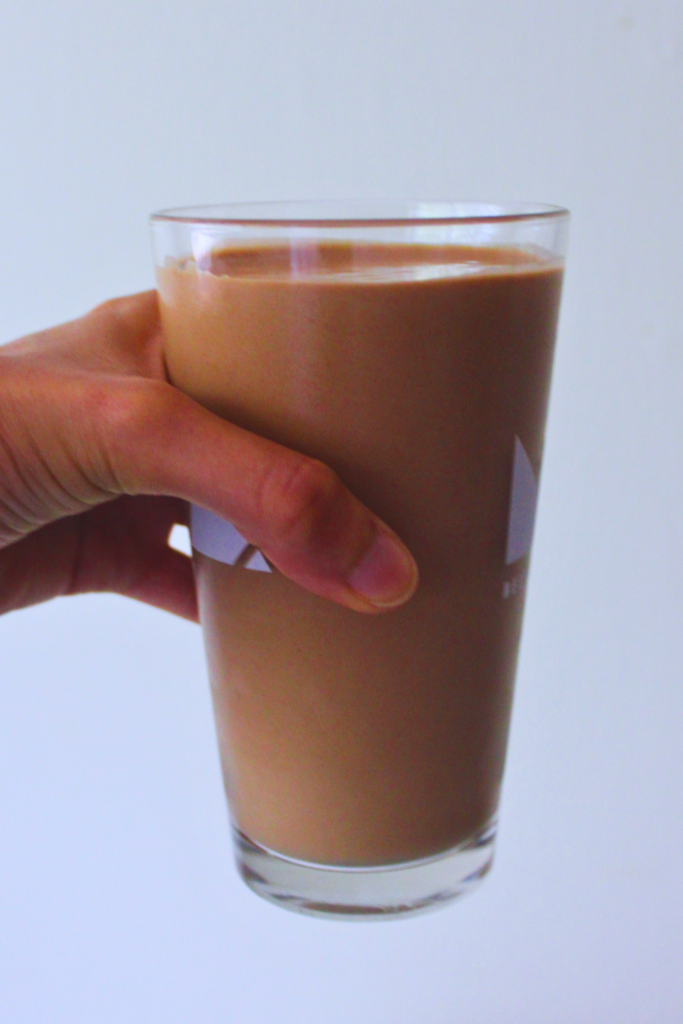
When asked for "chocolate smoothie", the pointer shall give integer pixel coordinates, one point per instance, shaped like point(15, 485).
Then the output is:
point(420, 374)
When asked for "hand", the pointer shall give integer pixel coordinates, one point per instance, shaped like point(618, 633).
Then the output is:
point(94, 440)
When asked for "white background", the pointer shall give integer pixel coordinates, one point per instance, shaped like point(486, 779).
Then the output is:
point(118, 898)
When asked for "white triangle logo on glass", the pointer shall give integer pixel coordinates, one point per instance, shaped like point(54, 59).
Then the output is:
point(257, 561)
point(218, 539)
point(523, 500)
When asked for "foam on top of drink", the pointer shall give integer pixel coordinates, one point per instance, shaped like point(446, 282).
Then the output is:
point(355, 262)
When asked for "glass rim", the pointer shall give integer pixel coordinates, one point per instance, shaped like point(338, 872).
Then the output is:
point(359, 213)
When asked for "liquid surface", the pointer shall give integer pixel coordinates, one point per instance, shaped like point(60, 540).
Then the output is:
point(411, 370)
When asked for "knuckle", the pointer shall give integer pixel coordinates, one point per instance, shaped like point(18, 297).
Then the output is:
point(126, 308)
point(129, 327)
point(109, 309)
point(297, 497)
point(109, 317)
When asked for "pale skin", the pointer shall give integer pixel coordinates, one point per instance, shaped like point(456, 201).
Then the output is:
point(100, 455)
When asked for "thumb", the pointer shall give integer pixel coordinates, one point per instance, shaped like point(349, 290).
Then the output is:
point(294, 508)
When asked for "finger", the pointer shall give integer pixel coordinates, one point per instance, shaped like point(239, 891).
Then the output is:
point(295, 509)
point(166, 582)
point(117, 547)
point(39, 566)
point(123, 548)
point(147, 518)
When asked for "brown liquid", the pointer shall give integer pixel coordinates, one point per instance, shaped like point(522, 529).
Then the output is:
point(352, 739)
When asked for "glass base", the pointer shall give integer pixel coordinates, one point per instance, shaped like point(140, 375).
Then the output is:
point(397, 890)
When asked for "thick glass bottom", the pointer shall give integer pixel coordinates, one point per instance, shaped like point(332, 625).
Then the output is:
point(397, 890)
